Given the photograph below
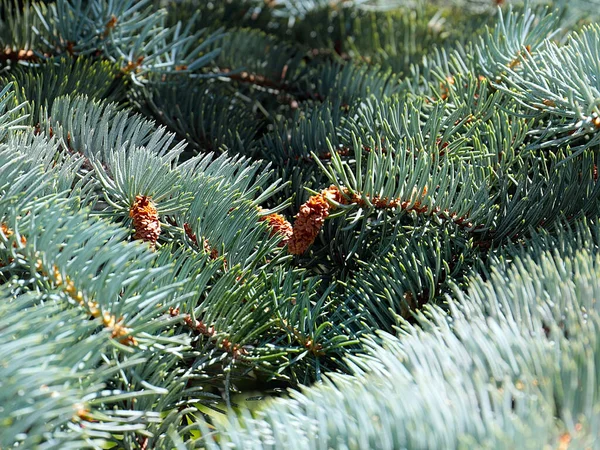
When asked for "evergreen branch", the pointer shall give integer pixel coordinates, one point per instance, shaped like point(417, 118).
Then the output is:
point(209, 118)
point(487, 343)
point(57, 408)
point(514, 39)
point(49, 80)
point(17, 39)
point(461, 214)
point(561, 83)
point(198, 326)
point(418, 270)
point(130, 33)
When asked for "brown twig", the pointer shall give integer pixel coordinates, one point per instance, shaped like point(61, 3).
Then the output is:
point(200, 327)
point(312, 214)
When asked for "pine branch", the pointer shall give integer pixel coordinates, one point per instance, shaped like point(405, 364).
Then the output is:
point(485, 348)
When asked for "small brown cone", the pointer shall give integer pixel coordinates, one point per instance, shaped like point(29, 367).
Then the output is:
point(311, 218)
point(279, 225)
point(145, 220)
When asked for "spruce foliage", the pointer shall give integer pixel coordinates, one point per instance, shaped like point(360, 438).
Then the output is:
point(299, 224)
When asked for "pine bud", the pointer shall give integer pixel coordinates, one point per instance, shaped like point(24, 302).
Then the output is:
point(145, 220)
point(311, 218)
point(279, 225)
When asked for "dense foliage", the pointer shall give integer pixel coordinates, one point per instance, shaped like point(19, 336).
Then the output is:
point(302, 224)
